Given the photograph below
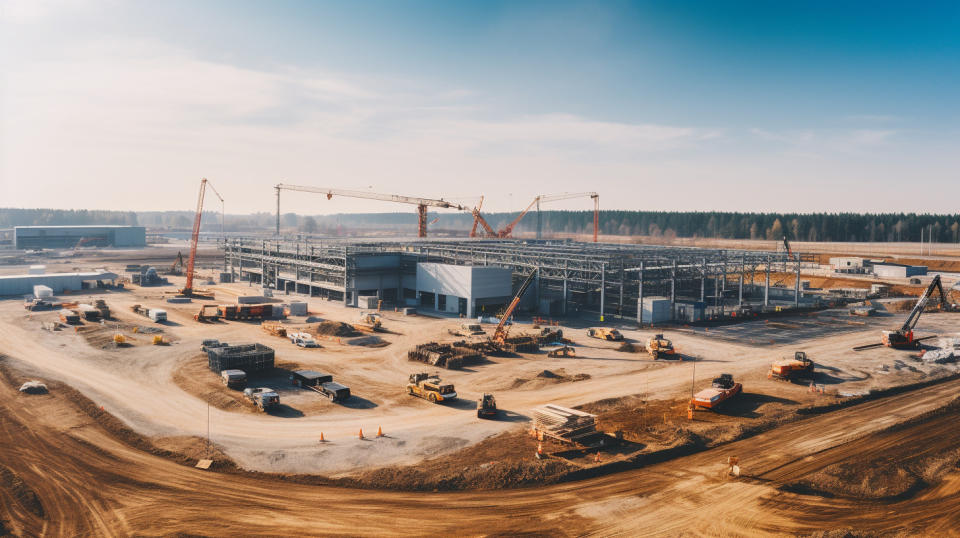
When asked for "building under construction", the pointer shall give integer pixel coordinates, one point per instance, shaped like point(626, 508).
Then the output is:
point(470, 277)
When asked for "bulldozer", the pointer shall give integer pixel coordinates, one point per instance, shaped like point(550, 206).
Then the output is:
point(562, 352)
point(800, 367)
point(604, 334)
point(369, 321)
point(661, 348)
point(429, 387)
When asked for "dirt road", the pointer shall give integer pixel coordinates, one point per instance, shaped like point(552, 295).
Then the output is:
point(65, 475)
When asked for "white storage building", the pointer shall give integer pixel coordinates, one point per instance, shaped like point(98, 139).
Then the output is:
point(56, 282)
point(462, 288)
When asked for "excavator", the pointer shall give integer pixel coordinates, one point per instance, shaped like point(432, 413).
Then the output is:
point(500, 334)
point(178, 264)
point(903, 338)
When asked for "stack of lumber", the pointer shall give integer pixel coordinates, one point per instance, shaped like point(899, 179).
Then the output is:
point(564, 422)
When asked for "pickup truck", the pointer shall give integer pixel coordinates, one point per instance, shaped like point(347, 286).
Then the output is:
point(262, 397)
point(234, 379)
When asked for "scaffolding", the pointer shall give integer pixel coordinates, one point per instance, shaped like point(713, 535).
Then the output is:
point(598, 278)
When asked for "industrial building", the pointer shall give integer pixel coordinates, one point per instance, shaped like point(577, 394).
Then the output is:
point(37, 237)
point(897, 270)
point(57, 282)
point(603, 279)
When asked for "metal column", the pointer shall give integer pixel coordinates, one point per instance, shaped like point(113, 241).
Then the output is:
point(603, 286)
point(640, 298)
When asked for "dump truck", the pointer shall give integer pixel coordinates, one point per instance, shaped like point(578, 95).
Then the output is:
point(661, 348)
point(262, 397)
point(799, 367)
point(487, 406)
point(722, 389)
point(604, 334)
point(467, 329)
point(234, 379)
point(430, 388)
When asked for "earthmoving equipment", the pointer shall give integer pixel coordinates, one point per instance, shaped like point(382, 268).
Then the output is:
point(562, 352)
point(322, 383)
point(421, 203)
point(208, 312)
point(262, 397)
point(369, 321)
point(660, 348)
point(800, 367)
point(467, 329)
point(177, 267)
point(722, 389)
point(275, 328)
point(119, 339)
point(500, 334)
point(487, 406)
point(430, 388)
point(557, 197)
point(234, 379)
point(158, 340)
point(902, 338)
point(604, 333)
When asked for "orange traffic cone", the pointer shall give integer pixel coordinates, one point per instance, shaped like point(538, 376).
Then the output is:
point(539, 449)
point(379, 431)
point(597, 458)
point(322, 440)
point(361, 433)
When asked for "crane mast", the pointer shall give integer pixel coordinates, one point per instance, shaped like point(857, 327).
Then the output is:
point(500, 334)
point(421, 203)
point(194, 238)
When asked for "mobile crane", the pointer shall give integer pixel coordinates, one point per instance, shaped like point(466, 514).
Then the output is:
point(187, 290)
point(500, 334)
point(421, 203)
point(902, 338)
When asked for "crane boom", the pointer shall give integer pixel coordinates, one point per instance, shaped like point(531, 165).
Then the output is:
point(194, 238)
point(557, 197)
point(507, 231)
point(500, 334)
point(914, 316)
point(421, 203)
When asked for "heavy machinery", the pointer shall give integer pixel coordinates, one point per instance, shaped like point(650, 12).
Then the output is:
point(604, 333)
point(302, 339)
point(722, 389)
point(208, 312)
point(902, 338)
point(487, 406)
point(558, 197)
point(178, 264)
point(369, 321)
point(188, 290)
point(562, 352)
point(234, 379)
point(660, 348)
point(275, 328)
point(500, 334)
point(421, 203)
point(430, 388)
point(799, 367)
point(262, 397)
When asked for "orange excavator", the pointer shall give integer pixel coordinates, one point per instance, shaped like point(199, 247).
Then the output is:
point(500, 334)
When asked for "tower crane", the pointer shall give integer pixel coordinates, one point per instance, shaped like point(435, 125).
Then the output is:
point(421, 203)
point(557, 197)
point(478, 219)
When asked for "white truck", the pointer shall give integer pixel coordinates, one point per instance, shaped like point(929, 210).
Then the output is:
point(302, 339)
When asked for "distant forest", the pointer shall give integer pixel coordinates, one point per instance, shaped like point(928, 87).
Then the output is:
point(773, 226)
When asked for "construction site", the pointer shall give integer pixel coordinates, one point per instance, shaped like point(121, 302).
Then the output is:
point(573, 387)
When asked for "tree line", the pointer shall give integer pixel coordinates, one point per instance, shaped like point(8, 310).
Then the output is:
point(844, 227)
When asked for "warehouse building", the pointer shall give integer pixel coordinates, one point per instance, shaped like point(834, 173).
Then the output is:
point(57, 282)
point(37, 237)
point(462, 289)
point(897, 270)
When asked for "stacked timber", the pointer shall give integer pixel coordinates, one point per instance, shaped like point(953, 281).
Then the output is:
point(563, 422)
point(450, 356)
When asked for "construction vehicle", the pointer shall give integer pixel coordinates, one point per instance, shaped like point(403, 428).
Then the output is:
point(158, 340)
point(207, 313)
point(245, 311)
point(903, 338)
point(799, 367)
point(421, 203)
point(262, 397)
point(487, 406)
point(430, 388)
point(148, 276)
point(467, 329)
point(501, 332)
point(234, 379)
point(369, 321)
point(37, 304)
point(660, 348)
point(275, 328)
point(302, 339)
point(322, 383)
point(119, 339)
point(177, 267)
point(154, 314)
point(562, 352)
point(722, 389)
point(188, 290)
point(604, 333)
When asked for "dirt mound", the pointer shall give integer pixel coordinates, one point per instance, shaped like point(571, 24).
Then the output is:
point(21, 492)
point(100, 335)
point(547, 376)
point(630, 347)
point(336, 328)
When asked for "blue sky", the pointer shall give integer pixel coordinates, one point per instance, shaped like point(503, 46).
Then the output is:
point(745, 106)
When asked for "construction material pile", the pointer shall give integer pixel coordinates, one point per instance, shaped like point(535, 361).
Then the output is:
point(549, 335)
point(948, 350)
point(522, 344)
point(336, 328)
point(450, 356)
point(564, 423)
point(246, 357)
